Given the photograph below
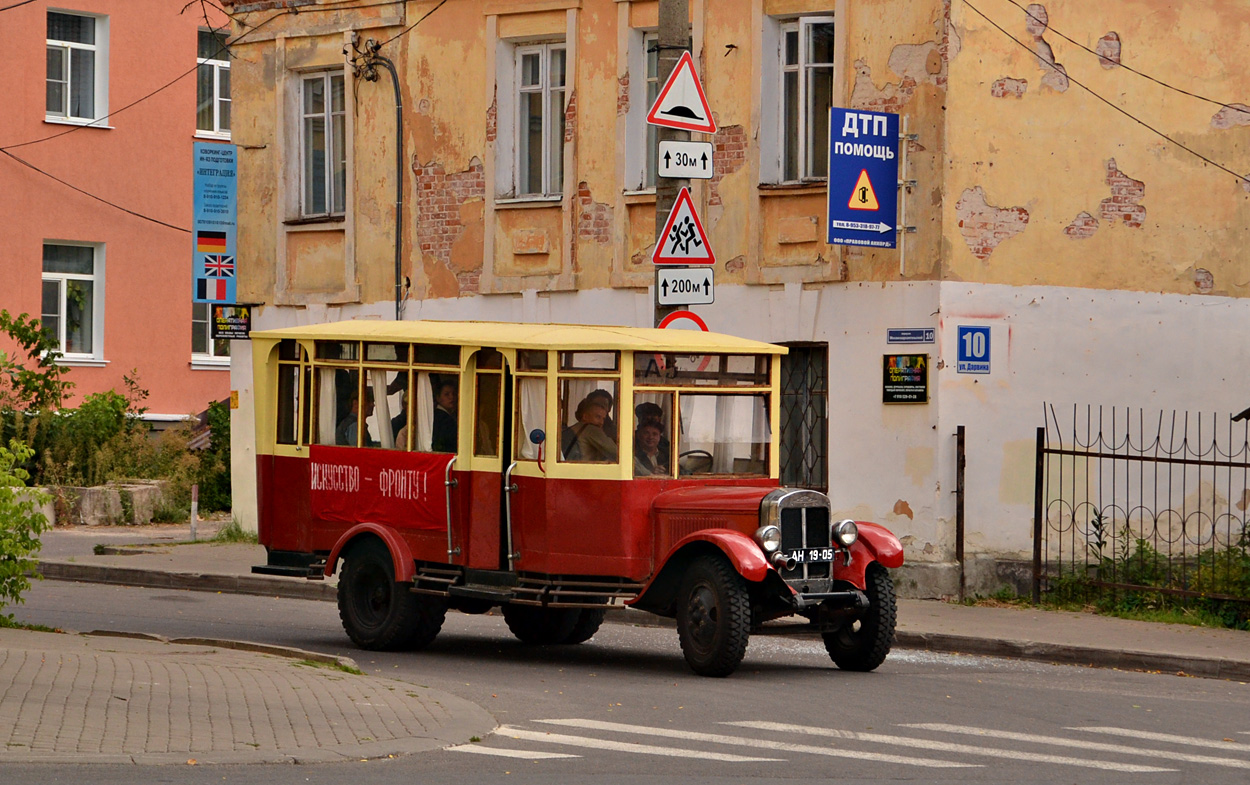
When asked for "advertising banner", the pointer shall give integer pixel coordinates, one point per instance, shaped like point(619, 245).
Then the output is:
point(215, 223)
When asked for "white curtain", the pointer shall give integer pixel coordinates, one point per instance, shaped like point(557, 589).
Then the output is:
point(723, 456)
point(533, 414)
point(424, 413)
point(326, 422)
point(380, 422)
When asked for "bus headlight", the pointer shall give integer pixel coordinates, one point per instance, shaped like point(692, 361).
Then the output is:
point(769, 538)
point(845, 533)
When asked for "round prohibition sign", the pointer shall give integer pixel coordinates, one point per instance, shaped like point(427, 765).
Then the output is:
point(676, 320)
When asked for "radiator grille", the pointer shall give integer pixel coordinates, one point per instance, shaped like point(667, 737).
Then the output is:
point(805, 527)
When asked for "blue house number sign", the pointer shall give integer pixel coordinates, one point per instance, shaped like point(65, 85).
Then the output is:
point(974, 350)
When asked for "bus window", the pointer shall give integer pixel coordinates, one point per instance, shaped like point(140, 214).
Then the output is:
point(653, 434)
point(338, 405)
point(486, 419)
point(588, 433)
point(387, 390)
point(434, 354)
point(288, 402)
point(723, 434)
point(589, 361)
point(531, 416)
point(436, 412)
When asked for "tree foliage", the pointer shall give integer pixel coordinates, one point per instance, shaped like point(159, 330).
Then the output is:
point(21, 523)
point(30, 379)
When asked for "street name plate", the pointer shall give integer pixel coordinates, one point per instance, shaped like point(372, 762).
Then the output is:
point(685, 286)
point(686, 160)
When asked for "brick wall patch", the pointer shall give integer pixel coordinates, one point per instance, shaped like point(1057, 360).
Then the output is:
point(1204, 281)
point(594, 219)
point(439, 198)
point(1123, 206)
point(622, 95)
point(1082, 227)
point(1231, 116)
point(729, 153)
point(492, 118)
point(1008, 87)
point(984, 226)
point(1036, 22)
point(570, 117)
point(1108, 50)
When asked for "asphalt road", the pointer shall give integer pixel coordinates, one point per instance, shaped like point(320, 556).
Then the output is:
point(624, 707)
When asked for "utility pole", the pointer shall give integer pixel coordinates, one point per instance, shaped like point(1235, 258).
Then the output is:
point(673, 39)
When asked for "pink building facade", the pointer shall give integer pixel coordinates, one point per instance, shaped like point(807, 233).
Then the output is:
point(96, 194)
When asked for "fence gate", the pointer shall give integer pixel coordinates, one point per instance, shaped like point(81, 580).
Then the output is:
point(1133, 502)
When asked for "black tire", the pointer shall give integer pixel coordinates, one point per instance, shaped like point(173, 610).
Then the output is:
point(380, 614)
point(588, 622)
point(540, 626)
point(862, 644)
point(713, 617)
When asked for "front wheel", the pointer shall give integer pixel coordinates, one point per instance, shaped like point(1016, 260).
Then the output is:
point(713, 617)
point(540, 626)
point(379, 614)
point(862, 644)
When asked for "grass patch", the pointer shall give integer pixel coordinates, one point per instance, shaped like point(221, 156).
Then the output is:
point(9, 623)
point(332, 666)
point(233, 532)
point(1066, 595)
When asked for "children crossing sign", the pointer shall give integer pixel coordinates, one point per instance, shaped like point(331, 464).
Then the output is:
point(683, 240)
point(863, 178)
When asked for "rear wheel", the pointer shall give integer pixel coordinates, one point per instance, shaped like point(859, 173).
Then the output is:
point(713, 617)
point(541, 626)
point(380, 614)
point(588, 622)
point(862, 644)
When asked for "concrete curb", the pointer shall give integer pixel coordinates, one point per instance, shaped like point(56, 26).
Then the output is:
point(298, 589)
point(1064, 654)
point(288, 652)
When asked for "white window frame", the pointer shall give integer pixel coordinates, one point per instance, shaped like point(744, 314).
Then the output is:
point(544, 52)
point(773, 144)
point(328, 115)
point(211, 357)
point(218, 66)
point(640, 163)
point(96, 355)
point(99, 50)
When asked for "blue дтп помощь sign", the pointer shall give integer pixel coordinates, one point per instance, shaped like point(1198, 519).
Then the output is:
point(863, 178)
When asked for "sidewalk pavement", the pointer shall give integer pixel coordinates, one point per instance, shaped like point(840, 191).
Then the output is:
point(146, 699)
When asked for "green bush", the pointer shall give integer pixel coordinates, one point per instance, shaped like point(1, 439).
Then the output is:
point(214, 472)
point(21, 523)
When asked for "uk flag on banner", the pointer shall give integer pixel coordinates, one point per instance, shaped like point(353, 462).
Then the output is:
point(219, 266)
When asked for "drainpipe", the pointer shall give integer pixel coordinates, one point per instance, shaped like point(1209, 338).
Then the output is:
point(369, 71)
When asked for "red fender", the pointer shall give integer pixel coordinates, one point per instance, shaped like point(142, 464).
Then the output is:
point(882, 542)
point(741, 549)
point(400, 554)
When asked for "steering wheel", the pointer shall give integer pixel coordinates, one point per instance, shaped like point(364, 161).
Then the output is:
point(703, 453)
point(696, 465)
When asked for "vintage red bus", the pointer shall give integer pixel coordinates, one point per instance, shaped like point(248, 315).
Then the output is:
point(552, 471)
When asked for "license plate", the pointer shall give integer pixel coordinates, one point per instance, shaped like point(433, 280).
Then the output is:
point(812, 555)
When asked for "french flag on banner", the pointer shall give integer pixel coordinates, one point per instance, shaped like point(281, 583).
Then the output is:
point(215, 289)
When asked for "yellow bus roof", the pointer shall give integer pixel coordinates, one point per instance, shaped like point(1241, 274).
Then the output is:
point(515, 335)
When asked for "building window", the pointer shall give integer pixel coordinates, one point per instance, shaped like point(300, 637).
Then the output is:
point(203, 347)
point(324, 144)
point(806, 92)
point(212, 108)
point(540, 85)
point(77, 66)
point(804, 416)
point(73, 292)
point(650, 47)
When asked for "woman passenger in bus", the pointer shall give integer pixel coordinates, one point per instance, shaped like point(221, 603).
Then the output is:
point(345, 433)
point(605, 398)
point(649, 459)
point(443, 433)
point(586, 441)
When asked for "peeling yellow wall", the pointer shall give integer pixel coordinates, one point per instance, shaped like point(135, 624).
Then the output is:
point(1046, 150)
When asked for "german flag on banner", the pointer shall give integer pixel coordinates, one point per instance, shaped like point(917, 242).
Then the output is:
point(210, 242)
point(211, 289)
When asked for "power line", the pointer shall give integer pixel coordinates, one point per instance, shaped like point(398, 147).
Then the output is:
point(17, 5)
point(1130, 69)
point(409, 28)
point(1240, 177)
point(29, 165)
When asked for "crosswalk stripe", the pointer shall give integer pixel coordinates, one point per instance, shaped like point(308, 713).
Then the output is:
point(926, 744)
point(1078, 744)
point(1193, 741)
point(505, 753)
point(626, 746)
point(746, 741)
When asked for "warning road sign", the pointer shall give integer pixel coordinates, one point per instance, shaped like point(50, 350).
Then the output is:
point(681, 103)
point(683, 240)
point(863, 197)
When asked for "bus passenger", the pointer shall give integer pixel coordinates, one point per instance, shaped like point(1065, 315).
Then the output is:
point(586, 441)
point(443, 432)
point(345, 433)
point(649, 459)
point(605, 398)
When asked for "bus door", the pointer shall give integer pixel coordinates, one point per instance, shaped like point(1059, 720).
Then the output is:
point(490, 434)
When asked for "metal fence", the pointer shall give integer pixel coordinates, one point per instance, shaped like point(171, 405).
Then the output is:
point(1133, 503)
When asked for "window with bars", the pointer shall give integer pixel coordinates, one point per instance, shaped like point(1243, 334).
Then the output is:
point(804, 417)
point(540, 84)
point(212, 108)
point(76, 66)
point(324, 144)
